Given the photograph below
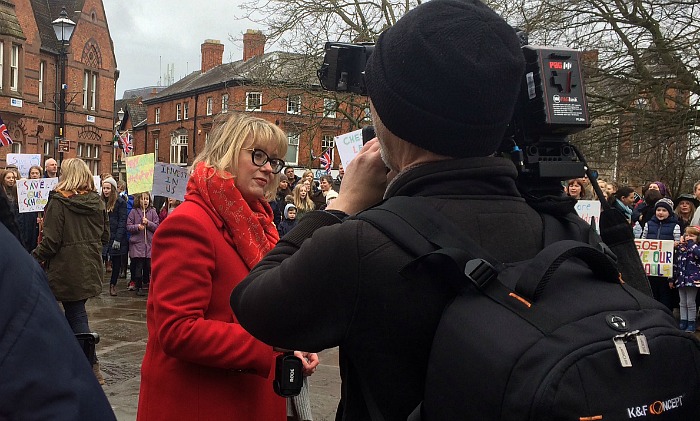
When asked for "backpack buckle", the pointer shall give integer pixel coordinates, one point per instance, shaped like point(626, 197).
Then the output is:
point(480, 272)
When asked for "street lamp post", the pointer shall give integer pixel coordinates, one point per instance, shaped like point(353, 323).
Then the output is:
point(118, 156)
point(63, 27)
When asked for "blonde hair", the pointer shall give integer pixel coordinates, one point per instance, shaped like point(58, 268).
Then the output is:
point(234, 131)
point(692, 230)
point(75, 176)
point(303, 205)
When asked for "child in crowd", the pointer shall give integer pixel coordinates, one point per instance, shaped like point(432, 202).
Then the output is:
point(289, 220)
point(141, 223)
point(662, 226)
point(686, 271)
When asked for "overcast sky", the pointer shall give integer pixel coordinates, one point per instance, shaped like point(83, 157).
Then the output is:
point(150, 34)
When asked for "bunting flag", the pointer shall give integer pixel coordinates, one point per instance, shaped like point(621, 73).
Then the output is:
point(5, 139)
point(127, 142)
point(327, 160)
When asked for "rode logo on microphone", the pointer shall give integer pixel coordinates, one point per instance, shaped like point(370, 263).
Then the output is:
point(655, 408)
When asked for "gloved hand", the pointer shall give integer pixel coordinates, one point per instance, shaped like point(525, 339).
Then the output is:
point(116, 245)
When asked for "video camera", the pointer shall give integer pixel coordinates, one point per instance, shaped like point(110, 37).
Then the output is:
point(551, 106)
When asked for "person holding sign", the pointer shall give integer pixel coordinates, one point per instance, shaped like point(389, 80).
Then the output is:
point(75, 230)
point(200, 364)
point(686, 277)
point(662, 226)
point(141, 223)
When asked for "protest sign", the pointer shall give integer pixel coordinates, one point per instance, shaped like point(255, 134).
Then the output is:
point(587, 210)
point(656, 256)
point(170, 180)
point(23, 161)
point(32, 194)
point(139, 173)
point(98, 183)
point(349, 145)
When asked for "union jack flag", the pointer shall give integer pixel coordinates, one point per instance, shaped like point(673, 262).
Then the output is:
point(327, 161)
point(5, 139)
point(126, 142)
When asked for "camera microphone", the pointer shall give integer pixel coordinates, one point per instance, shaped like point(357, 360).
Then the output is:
point(288, 375)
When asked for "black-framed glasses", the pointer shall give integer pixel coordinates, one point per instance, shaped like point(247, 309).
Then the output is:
point(261, 158)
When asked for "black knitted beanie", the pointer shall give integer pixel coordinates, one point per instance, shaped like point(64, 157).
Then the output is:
point(446, 77)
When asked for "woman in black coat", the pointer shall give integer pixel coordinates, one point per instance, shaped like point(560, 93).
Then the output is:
point(116, 210)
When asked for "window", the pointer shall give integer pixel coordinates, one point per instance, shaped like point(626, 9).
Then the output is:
point(2, 54)
point(186, 111)
point(329, 107)
point(224, 103)
point(210, 105)
point(155, 147)
point(91, 155)
point(48, 149)
point(14, 68)
point(42, 68)
point(294, 104)
point(90, 90)
point(178, 112)
point(253, 101)
point(178, 149)
point(292, 149)
point(368, 114)
point(327, 142)
point(158, 115)
point(16, 147)
point(93, 92)
point(636, 148)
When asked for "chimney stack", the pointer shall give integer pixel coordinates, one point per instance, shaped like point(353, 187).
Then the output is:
point(212, 53)
point(253, 44)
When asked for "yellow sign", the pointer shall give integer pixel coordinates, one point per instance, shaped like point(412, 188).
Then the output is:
point(139, 173)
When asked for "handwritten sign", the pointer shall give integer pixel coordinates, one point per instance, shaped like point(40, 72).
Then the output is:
point(349, 145)
point(139, 173)
point(23, 161)
point(33, 194)
point(657, 257)
point(170, 180)
point(587, 210)
point(98, 183)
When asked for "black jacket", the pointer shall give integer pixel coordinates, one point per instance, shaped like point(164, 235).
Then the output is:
point(382, 322)
point(117, 229)
point(44, 374)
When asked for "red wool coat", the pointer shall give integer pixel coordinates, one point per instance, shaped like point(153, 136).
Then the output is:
point(200, 364)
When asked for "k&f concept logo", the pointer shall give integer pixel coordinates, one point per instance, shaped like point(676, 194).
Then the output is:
point(617, 322)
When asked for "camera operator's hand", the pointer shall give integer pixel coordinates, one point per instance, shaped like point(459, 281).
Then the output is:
point(364, 181)
point(309, 360)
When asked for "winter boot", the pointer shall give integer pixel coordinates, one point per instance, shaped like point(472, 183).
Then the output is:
point(691, 327)
point(683, 325)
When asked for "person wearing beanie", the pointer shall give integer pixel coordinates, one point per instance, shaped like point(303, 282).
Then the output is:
point(662, 226)
point(443, 83)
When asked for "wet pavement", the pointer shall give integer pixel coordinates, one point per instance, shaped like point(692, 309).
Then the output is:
point(121, 323)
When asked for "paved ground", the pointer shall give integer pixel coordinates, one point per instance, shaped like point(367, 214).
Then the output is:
point(121, 323)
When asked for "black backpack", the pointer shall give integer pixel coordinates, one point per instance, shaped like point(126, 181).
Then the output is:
point(557, 337)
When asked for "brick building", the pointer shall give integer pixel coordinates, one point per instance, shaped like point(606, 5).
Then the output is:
point(30, 80)
point(274, 85)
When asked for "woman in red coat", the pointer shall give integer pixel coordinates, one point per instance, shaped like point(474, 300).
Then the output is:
point(200, 364)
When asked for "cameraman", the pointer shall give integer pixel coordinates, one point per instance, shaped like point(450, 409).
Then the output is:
point(443, 84)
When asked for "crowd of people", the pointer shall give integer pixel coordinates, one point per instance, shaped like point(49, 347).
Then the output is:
point(657, 215)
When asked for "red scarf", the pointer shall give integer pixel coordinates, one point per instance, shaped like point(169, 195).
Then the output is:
point(249, 225)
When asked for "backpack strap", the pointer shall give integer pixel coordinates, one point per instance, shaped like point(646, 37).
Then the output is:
point(415, 225)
